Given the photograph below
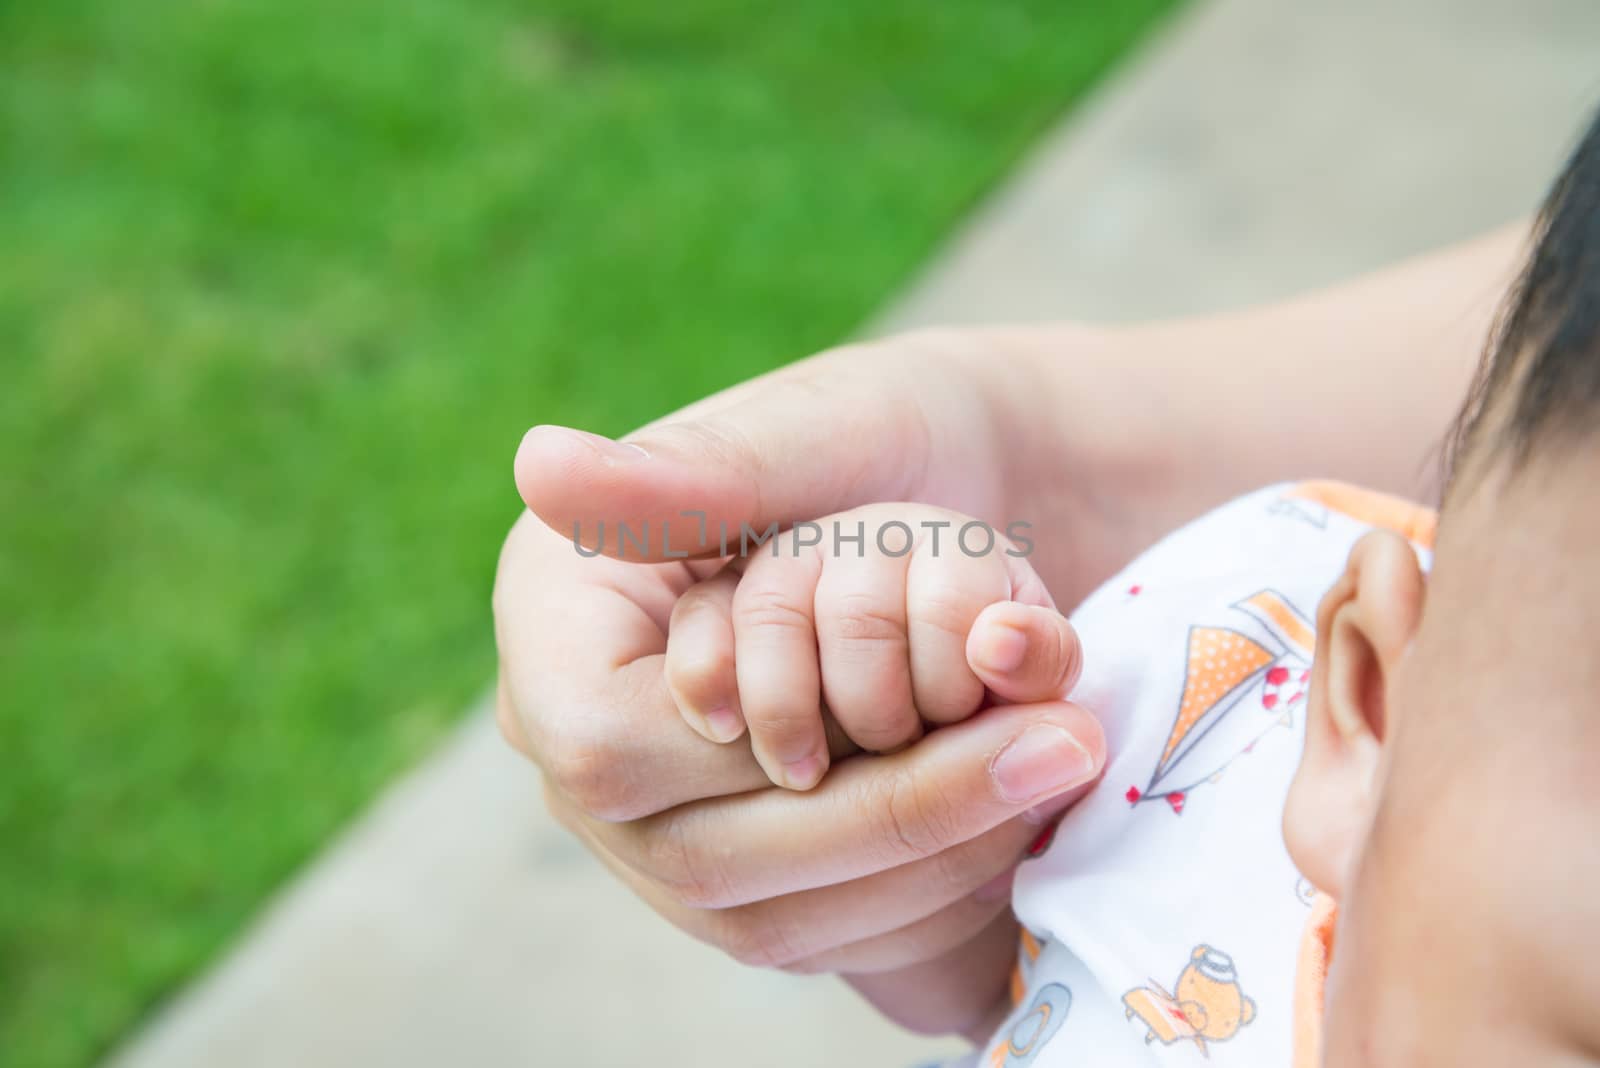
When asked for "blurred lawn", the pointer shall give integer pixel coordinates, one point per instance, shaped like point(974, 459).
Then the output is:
point(281, 285)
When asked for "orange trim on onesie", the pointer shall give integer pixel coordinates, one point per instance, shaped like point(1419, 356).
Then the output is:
point(1311, 981)
point(1407, 518)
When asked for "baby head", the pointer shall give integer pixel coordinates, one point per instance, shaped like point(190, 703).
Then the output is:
point(1449, 795)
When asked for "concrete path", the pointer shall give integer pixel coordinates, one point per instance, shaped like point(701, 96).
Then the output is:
point(1253, 148)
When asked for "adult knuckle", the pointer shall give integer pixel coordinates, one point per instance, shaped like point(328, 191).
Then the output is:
point(916, 821)
point(583, 765)
point(659, 855)
point(952, 869)
point(677, 859)
point(758, 938)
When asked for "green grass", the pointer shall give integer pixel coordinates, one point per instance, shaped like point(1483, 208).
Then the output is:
point(281, 284)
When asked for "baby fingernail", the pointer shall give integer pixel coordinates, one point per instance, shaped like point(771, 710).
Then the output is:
point(1000, 649)
point(1042, 759)
point(723, 723)
point(804, 773)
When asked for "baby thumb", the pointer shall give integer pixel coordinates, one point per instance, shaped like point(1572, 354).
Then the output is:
point(1024, 653)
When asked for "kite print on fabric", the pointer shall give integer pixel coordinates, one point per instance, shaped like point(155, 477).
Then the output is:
point(1239, 683)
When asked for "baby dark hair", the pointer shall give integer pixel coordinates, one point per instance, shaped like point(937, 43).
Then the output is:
point(1539, 383)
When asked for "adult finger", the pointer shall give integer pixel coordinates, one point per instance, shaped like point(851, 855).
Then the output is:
point(964, 885)
point(973, 879)
point(931, 936)
point(871, 813)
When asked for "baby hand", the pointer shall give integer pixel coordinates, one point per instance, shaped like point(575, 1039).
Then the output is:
point(914, 622)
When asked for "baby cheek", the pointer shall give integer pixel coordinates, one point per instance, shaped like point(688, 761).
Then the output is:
point(1478, 879)
point(1552, 935)
point(1487, 891)
point(1417, 976)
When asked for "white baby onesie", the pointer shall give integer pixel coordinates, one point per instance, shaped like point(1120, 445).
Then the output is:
point(1163, 917)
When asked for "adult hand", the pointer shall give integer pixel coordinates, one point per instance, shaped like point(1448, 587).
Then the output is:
point(893, 861)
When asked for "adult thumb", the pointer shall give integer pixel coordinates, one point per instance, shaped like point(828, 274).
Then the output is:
point(788, 448)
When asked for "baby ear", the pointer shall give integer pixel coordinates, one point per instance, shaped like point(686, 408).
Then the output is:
point(1364, 625)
